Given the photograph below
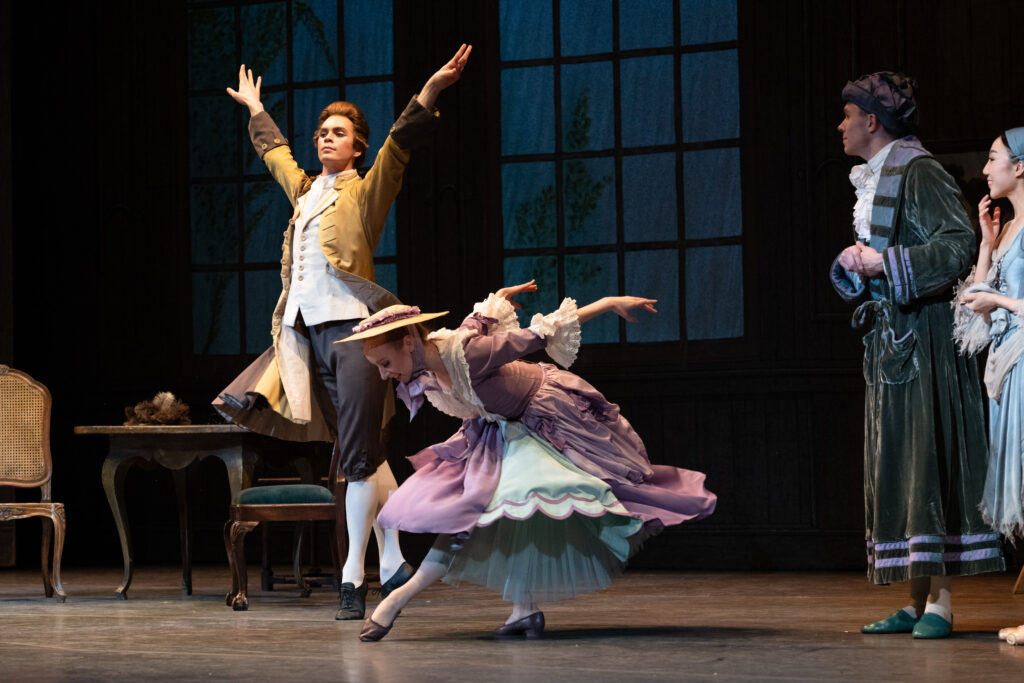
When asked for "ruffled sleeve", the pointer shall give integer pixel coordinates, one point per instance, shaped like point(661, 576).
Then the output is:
point(499, 310)
point(561, 332)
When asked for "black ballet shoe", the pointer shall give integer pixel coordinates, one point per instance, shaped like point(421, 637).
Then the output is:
point(352, 602)
point(397, 580)
point(372, 631)
point(532, 627)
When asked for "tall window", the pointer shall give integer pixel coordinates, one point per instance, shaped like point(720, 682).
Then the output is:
point(620, 160)
point(310, 53)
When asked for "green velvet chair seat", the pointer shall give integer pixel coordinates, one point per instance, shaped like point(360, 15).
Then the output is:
point(285, 494)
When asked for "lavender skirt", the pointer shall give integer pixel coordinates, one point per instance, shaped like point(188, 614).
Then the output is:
point(455, 480)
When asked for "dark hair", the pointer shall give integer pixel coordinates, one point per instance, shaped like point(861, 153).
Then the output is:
point(360, 128)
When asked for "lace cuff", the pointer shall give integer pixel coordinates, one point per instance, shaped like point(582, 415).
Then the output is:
point(501, 309)
point(561, 330)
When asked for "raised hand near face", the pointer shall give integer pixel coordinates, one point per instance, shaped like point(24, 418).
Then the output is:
point(989, 223)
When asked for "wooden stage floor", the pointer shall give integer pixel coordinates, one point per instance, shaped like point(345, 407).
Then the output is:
point(657, 626)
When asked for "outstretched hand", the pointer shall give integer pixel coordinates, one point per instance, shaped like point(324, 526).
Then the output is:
point(444, 77)
point(248, 93)
point(623, 305)
point(510, 292)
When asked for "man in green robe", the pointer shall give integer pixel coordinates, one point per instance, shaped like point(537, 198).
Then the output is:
point(925, 445)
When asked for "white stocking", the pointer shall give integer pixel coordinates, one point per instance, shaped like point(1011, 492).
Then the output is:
point(427, 574)
point(391, 557)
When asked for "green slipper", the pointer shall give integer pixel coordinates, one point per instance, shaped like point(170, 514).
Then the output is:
point(897, 622)
point(933, 626)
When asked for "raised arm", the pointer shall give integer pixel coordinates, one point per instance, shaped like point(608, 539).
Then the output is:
point(446, 76)
point(619, 305)
point(248, 93)
point(268, 140)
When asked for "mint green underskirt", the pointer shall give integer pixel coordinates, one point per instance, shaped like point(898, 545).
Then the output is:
point(550, 531)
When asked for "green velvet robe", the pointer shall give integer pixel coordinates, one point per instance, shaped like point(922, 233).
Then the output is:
point(925, 444)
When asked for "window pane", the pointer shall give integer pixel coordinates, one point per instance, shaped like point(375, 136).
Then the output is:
point(649, 197)
point(386, 275)
point(645, 23)
point(525, 29)
point(588, 277)
point(211, 48)
point(266, 216)
point(648, 101)
point(213, 136)
point(714, 292)
point(262, 290)
point(214, 211)
point(655, 275)
point(377, 100)
point(215, 313)
point(308, 105)
point(543, 269)
point(586, 26)
point(711, 96)
point(707, 21)
point(275, 104)
point(527, 110)
point(711, 181)
point(368, 41)
point(528, 205)
point(265, 41)
point(588, 199)
point(315, 40)
point(588, 109)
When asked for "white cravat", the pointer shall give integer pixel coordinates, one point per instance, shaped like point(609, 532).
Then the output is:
point(864, 179)
point(319, 295)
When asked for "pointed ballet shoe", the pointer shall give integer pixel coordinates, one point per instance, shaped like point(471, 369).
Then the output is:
point(372, 631)
point(897, 622)
point(397, 580)
point(1013, 635)
point(532, 627)
point(932, 626)
point(352, 602)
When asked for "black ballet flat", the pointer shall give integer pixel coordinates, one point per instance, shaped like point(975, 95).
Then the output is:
point(532, 627)
point(397, 580)
point(372, 631)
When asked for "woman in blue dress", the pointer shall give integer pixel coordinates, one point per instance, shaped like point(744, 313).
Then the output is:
point(991, 313)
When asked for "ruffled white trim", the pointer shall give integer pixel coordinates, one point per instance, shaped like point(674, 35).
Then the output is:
point(501, 309)
point(561, 329)
point(461, 401)
point(970, 330)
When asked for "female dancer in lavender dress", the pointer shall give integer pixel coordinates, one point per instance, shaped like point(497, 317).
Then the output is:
point(546, 489)
point(992, 314)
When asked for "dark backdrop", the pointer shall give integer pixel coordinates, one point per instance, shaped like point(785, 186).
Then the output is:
point(94, 255)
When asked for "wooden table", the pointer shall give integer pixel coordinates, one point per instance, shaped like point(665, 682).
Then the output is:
point(175, 447)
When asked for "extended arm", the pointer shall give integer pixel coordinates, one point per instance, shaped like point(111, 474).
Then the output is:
point(267, 138)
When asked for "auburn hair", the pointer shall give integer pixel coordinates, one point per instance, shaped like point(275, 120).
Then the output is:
point(360, 128)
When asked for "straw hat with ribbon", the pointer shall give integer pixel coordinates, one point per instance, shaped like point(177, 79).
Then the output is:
point(386, 319)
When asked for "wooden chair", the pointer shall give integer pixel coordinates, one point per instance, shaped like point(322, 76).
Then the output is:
point(25, 462)
point(285, 503)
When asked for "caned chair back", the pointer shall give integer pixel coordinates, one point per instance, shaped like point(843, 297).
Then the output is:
point(24, 430)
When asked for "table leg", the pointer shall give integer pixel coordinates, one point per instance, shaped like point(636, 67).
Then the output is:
point(184, 528)
point(239, 466)
point(115, 467)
